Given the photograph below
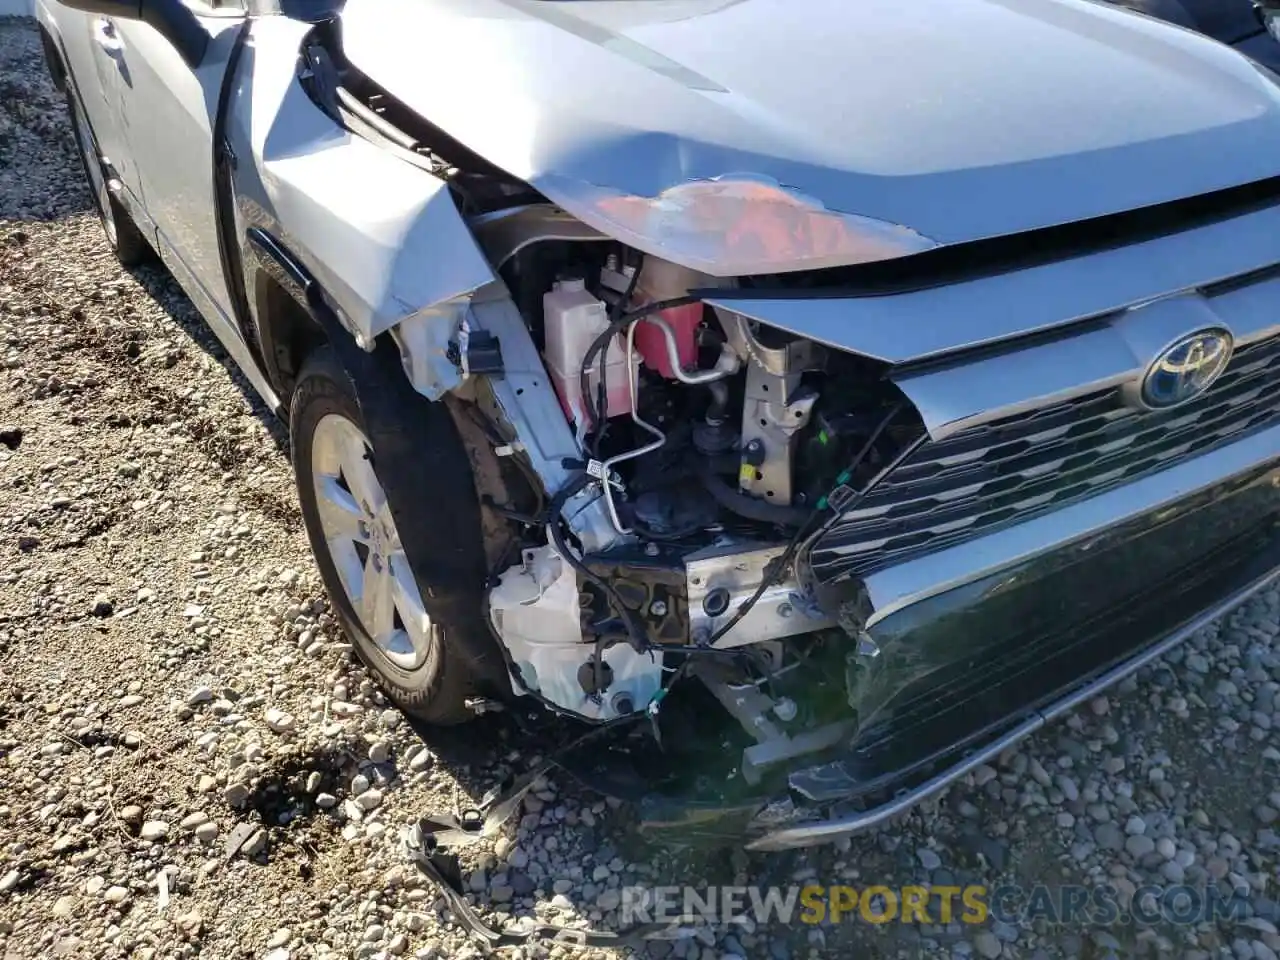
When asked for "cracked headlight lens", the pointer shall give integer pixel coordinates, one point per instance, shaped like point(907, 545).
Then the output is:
point(737, 225)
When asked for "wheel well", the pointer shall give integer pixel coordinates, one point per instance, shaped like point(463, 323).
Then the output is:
point(287, 333)
point(53, 60)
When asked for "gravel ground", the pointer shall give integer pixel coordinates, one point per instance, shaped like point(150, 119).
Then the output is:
point(170, 677)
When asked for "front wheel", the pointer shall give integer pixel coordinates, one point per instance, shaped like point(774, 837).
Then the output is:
point(419, 637)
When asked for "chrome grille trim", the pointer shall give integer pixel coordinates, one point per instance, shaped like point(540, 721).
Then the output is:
point(1010, 470)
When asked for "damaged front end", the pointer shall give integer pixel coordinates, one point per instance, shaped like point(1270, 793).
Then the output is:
point(827, 584)
point(831, 512)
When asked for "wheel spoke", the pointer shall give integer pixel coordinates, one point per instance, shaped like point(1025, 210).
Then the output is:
point(393, 545)
point(363, 541)
point(408, 601)
point(358, 472)
point(350, 569)
point(339, 512)
point(377, 601)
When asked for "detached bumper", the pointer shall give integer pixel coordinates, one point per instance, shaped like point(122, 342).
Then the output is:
point(1060, 608)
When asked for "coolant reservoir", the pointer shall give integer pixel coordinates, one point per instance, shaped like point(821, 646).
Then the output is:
point(572, 319)
point(663, 280)
point(651, 343)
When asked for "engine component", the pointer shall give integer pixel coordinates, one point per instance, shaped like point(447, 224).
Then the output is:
point(672, 347)
point(659, 438)
point(783, 610)
point(536, 610)
point(714, 436)
point(675, 511)
point(727, 364)
point(762, 511)
point(653, 345)
point(573, 318)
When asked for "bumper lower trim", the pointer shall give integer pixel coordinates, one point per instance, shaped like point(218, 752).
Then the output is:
point(828, 831)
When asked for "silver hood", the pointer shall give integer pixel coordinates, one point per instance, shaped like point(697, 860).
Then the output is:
point(955, 119)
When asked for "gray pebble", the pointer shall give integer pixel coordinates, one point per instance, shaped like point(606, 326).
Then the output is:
point(1108, 836)
point(987, 945)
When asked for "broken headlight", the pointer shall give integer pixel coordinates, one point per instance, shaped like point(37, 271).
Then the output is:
point(737, 225)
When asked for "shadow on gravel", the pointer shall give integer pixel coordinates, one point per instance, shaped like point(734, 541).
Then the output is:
point(280, 818)
point(164, 290)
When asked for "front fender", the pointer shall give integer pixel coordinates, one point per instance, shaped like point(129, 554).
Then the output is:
point(382, 237)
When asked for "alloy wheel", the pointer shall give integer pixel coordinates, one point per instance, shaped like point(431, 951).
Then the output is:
point(364, 544)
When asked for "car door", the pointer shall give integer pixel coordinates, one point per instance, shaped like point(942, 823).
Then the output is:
point(168, 109)
point(91, 50)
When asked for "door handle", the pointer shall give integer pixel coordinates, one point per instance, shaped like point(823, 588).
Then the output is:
point(105, 35)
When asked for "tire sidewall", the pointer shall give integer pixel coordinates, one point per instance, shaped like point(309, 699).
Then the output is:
point(324, 389)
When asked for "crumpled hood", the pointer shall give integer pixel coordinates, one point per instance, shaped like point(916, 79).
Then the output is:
point(958, 119)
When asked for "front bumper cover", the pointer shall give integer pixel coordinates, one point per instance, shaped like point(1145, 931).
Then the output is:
point(961, 674)
point(815, 832)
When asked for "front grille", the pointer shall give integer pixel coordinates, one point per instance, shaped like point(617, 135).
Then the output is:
point(1011, 469)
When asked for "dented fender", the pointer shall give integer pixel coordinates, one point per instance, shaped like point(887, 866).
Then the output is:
point(382, 237)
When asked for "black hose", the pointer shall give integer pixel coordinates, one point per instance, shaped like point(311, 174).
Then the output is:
point(602, 342)
point(634, 634)
point(597, 412)
point(718, 409)
point(747, 506)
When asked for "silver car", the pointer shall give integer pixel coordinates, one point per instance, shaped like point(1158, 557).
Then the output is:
point(859, 385)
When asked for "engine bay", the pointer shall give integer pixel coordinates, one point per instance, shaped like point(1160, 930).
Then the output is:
point(718, 447)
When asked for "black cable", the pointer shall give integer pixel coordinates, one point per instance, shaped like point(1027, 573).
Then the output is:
point(602, 342)
point(515, 516)
point(634, 634)
point(776, 569)
point(597, 412)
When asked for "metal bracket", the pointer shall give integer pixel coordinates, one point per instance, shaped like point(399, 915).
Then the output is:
point(775, 407)
point(753, 710)
point(774, 410)
point(783, 610)
point(525, 402)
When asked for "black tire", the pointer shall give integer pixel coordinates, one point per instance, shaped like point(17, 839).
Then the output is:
point(123, 236)
point(425, 473)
